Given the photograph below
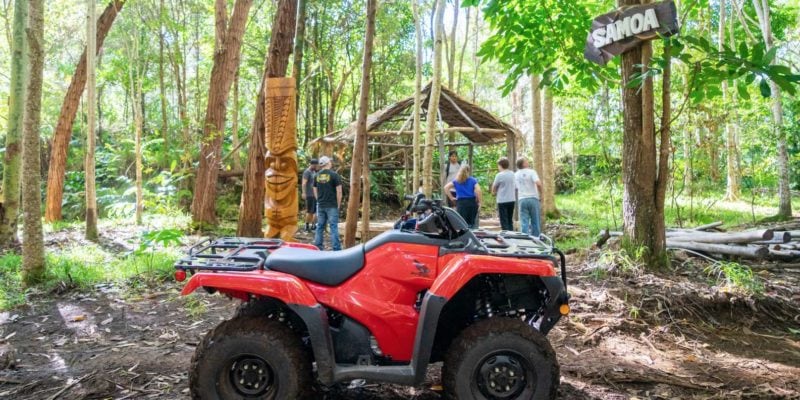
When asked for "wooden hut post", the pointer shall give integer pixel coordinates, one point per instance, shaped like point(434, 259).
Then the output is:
point(511, 148)
point(471, 156)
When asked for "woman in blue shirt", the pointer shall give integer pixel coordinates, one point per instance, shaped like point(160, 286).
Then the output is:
point(468, 195)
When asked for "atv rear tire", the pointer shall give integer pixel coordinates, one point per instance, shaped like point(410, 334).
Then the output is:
point(500, 358)
point(250, 358)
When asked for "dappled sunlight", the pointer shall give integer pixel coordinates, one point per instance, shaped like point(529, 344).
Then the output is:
point(79, 320)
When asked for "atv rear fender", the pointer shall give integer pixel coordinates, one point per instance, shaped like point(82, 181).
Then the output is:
point(277, 285)
point(456, 273)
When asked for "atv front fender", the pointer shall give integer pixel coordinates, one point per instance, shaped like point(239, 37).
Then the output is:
point(283, 287)
point(456, 273)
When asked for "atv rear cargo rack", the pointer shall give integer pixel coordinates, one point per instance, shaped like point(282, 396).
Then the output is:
point(228, 254)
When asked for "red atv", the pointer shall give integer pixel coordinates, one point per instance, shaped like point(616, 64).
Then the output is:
point(481, 302)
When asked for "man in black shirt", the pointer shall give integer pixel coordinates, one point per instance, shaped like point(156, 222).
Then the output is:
point(328, 191)
point(308, 194)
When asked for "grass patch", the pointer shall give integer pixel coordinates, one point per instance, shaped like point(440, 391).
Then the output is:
point(11, 292)
point(83, 267)
point(600, 207)
point(735, 277)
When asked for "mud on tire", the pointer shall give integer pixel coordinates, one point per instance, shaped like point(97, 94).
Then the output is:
point(500, 358)
point(250, 358)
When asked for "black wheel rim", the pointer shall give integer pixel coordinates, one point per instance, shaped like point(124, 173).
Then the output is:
point(251, 376)
point(503, 375)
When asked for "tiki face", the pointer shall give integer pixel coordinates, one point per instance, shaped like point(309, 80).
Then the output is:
point(281, 176)
point(281, 160)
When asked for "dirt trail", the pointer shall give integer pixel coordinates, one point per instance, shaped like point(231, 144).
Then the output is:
point(647, 337)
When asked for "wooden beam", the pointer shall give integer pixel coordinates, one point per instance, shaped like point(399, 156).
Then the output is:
point(465, 116)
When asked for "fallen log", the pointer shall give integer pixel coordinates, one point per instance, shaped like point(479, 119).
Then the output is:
point(708, 226)
point(741, 251)
point(724, 237)
point(784, 254)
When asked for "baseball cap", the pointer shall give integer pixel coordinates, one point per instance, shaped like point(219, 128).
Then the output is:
point(314, 161)
point(324, 160)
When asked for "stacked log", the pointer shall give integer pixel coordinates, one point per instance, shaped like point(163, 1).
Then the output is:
point(757, 244)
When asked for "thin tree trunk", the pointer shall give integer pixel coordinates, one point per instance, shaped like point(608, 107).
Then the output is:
point(475, 60)
point(235, 161)
point(63, 132)
point(450, 48)
point(732, 191)
point(251, 207)
point(91, 109)
point(299, 44)
point(548, 163)
point(687, 160)
point(227, 55)
point(784, 193)
point(463, 51)
point(433, 101)
point(33, 267)
point(161, 85)
point(9, 204)
point(536, 119)
point(360, 147)
point(138, 121)
point(417, 97)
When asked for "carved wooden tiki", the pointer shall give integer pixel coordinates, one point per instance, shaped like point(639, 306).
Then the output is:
point(281, 159)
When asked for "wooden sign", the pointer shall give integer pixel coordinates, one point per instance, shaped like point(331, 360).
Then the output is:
point(618, 31)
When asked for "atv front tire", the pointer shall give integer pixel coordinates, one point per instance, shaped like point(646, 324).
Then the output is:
point(500, 358)
point(250, 358)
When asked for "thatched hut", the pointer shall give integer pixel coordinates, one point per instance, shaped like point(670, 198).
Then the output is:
point(390, 131)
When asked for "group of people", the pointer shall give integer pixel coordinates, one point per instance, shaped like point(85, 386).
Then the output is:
point(322, 192)
point(464, 192)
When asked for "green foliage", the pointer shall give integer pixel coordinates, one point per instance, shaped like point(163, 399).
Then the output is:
point(543, 37)
point(735, 276)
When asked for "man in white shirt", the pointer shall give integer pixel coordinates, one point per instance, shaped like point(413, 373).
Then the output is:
point(529, 189)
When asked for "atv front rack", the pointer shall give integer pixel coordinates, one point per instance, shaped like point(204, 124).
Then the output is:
point(228, 254)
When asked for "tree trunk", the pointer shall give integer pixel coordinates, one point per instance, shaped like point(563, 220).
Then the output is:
point(299, 44)
point(463, 51)
point(91, 109)
point(687, 160)
point(63, 132)
point(417, 97)
point(536, 119)
point(433, 101)
point(138, 122)
point(732, 179)
point(33, 267)
point(235, 161)
point(643, 218)
point(161, 85)
point(548, 163)
point(360, 147)
point(9, 204)
point(784, 193)
point(280, 48)
point(227, 55)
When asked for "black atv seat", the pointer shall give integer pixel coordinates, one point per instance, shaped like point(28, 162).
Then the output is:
point(329, 268)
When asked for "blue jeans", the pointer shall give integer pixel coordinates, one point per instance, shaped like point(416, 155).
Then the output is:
point(328, 216)
point(529, 211)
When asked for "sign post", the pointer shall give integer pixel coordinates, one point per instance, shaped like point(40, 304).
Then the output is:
point(620, 30)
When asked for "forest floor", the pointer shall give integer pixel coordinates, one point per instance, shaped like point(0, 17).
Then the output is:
point(631, 335)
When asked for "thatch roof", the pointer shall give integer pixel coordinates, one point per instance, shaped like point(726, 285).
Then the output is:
point(478, 125)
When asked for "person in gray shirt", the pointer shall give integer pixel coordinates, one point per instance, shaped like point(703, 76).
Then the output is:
point(504, 189)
